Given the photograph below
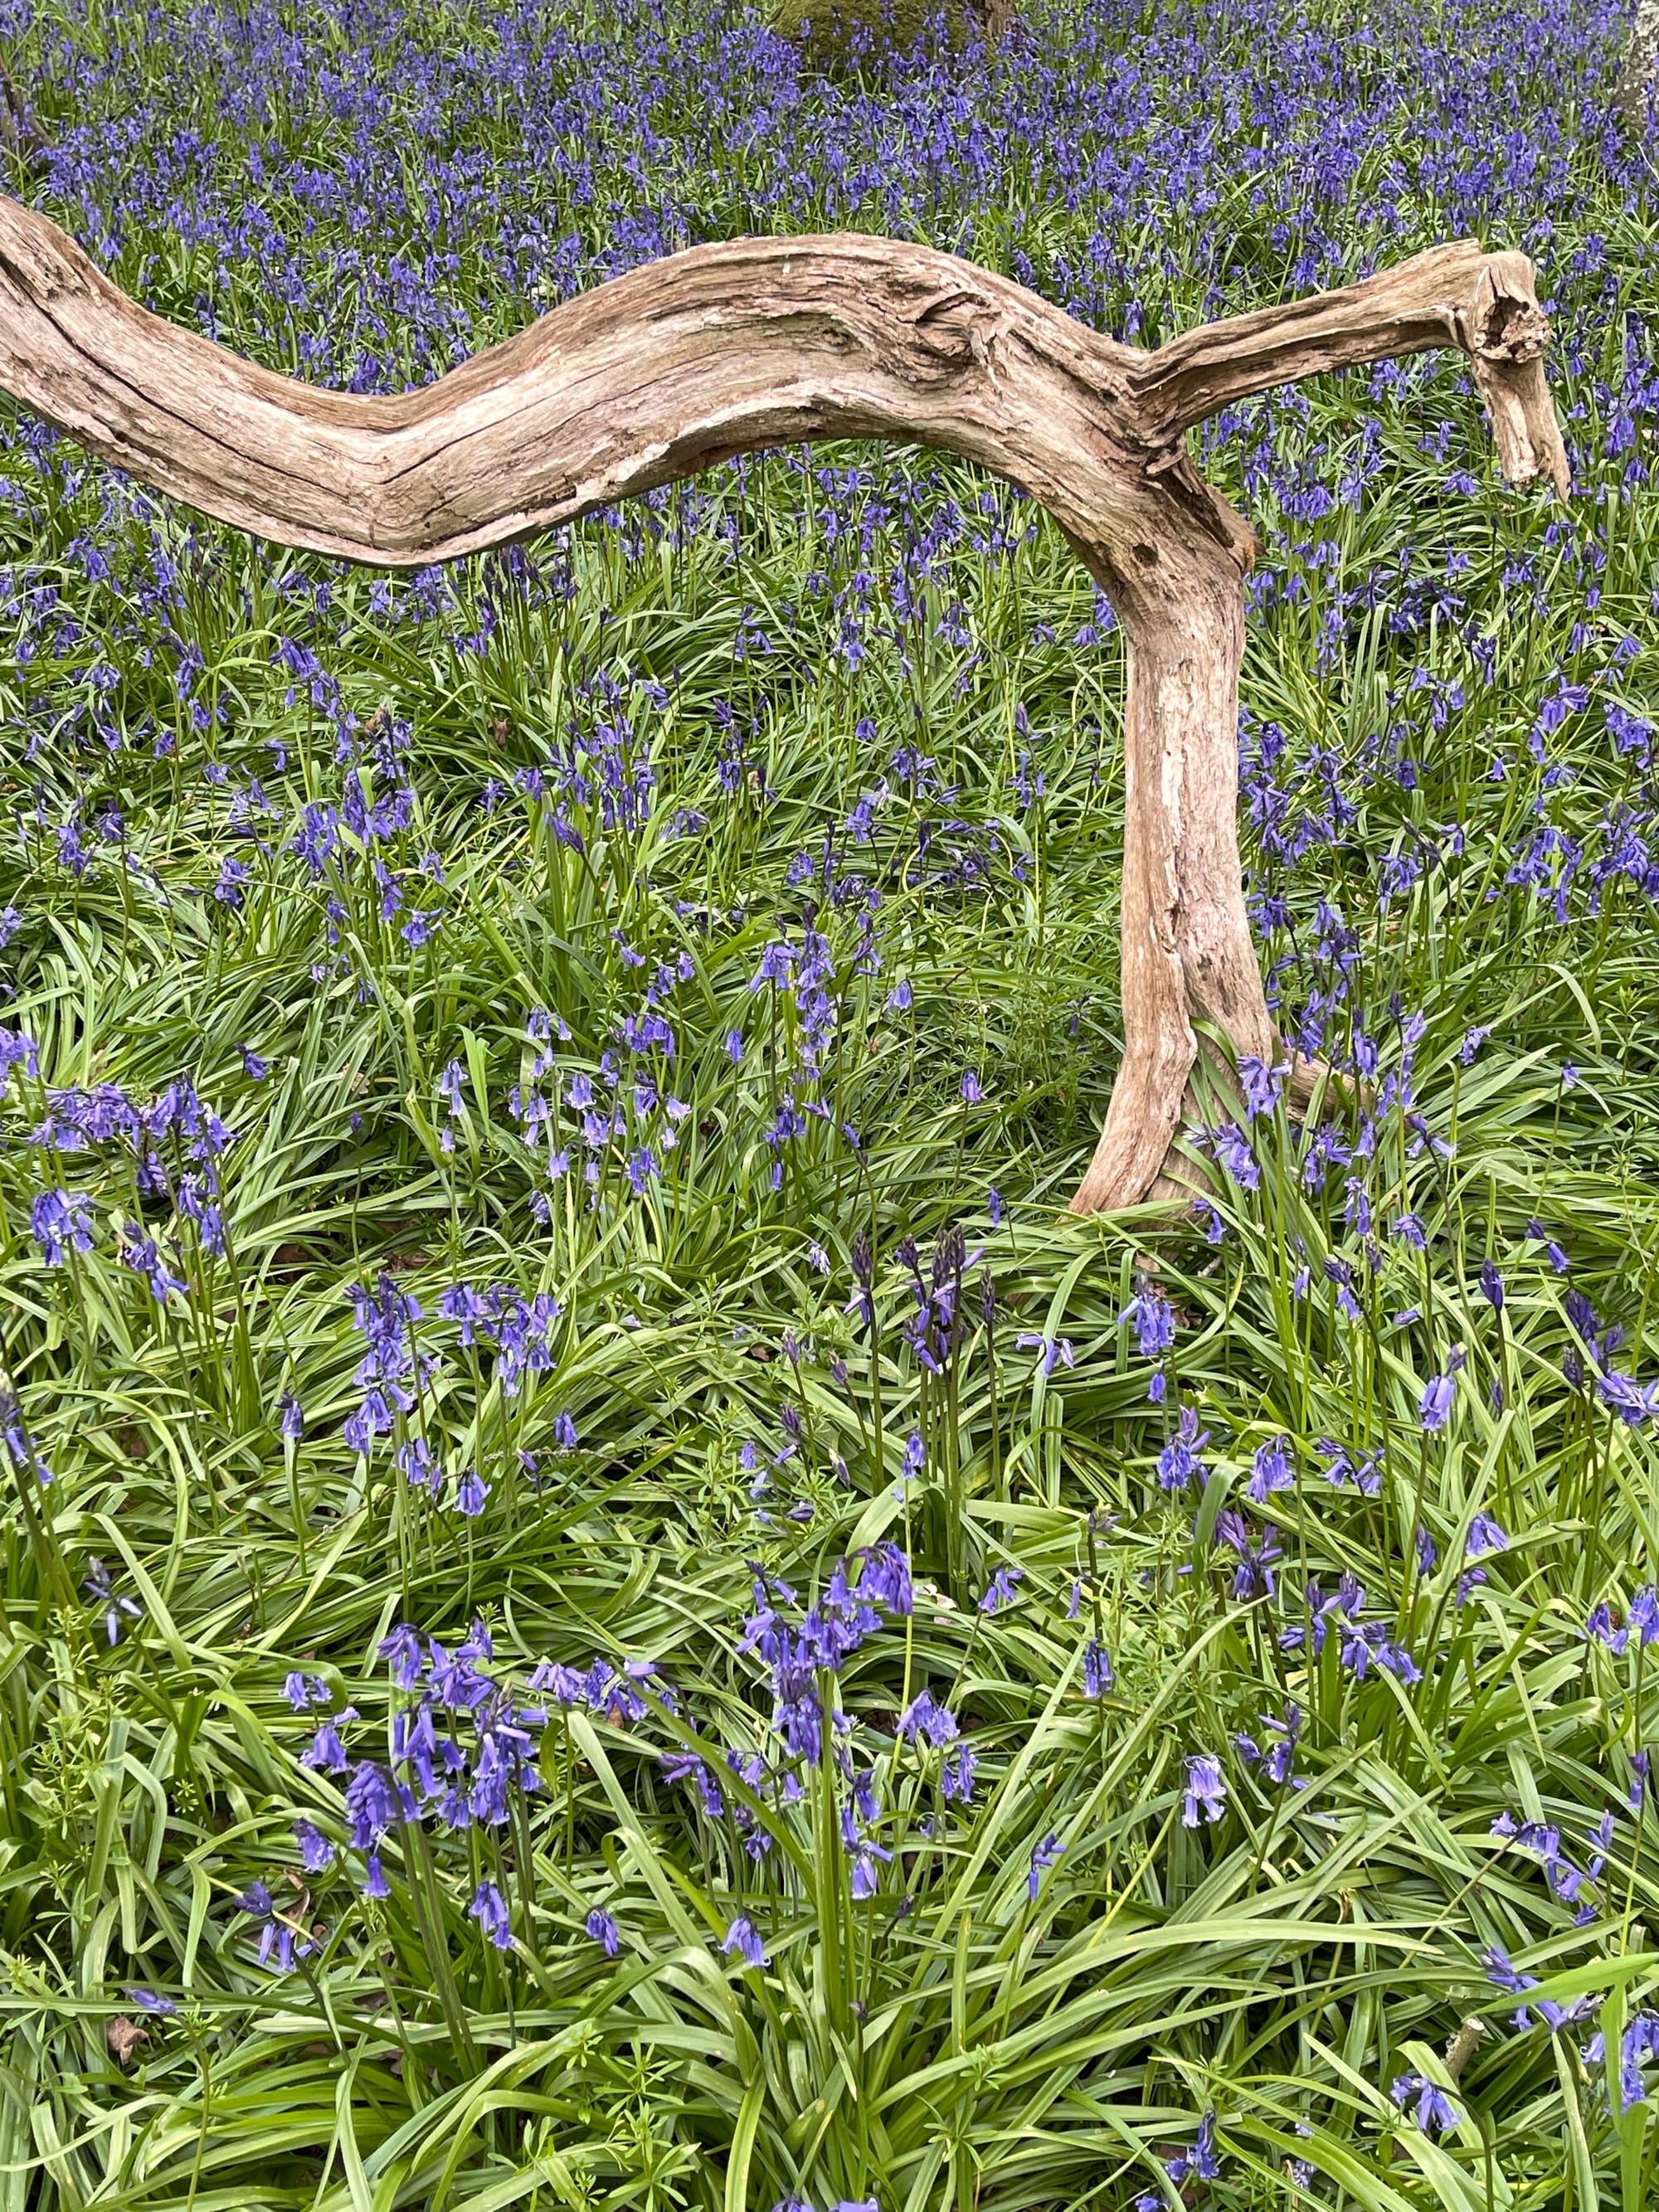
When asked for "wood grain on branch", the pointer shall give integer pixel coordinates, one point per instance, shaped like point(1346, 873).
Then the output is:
point(731, 348)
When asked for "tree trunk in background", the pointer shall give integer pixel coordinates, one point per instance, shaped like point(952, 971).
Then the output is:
point(840, 33)
point(1639, 80)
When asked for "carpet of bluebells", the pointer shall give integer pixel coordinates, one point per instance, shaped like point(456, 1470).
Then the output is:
point(602, 1602)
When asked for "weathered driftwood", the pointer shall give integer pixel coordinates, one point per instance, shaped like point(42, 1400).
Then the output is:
point(765, 341)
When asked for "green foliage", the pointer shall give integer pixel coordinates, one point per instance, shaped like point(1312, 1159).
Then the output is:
point(624, 753)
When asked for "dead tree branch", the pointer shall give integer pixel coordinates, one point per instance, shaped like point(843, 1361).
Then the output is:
point(762, 342)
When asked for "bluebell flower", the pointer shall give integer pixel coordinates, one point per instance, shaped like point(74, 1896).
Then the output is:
point(1436, 1402)
point(373, 1804)
point(1431, 2108)
point(278, 1949)
point(1098, 1676)
point(316, 1852)
point(1205, 1795)
point(1045, 1855)
point(142, 1254)
point(1633, 1402)
point(741, 1938)
point(1553, 1251)
point(1277, 1763)
point(471, 1493)
point(686, 1766)
point(402, 1651)
point(885, 1577)
point(1231, 1149)
point(1270, 1471)
point(1154, 1320)
point(1255, 1575)
point(488, 1909)
point(1485, 1535)
point(153, 2001)
point(325, 1753)
point(926, 1719)
point(1263, 1085)
point(602, 1928)
point(100, 1590)
point(868, 1858)
point(1640, 2044)
point(1056, 1352)
point(1600, 1627)
point(61, 1222)
point(1178, 1463)
point(1491, 1286)
point(957, 1772)
point(999, 1590)
point(1200, 2163)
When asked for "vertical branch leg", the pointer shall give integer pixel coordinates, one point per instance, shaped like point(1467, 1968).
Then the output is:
point(1186, 945)
point(1213, 931)
point(1159, 1046)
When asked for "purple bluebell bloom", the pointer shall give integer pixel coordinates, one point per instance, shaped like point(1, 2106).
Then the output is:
point(1270, 1470)
point(1431, 2108)
point(61, 1222)
point(1045, 1855)
point(1438, 1394)
point(1201, 2162)
point(1206, 1793)
point(1178, 1463)
point(488, 1909)
point(999, 1590)
point(741, 1938)
point(1485, 1536)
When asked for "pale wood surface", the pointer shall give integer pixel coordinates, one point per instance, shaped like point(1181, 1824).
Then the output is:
point(733, 347)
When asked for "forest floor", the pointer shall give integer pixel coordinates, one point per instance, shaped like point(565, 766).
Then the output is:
point(604, 1603)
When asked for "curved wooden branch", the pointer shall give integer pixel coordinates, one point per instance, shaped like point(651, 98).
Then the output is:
point(761, 342)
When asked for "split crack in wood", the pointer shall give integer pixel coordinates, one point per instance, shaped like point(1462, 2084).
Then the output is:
point(732, 347)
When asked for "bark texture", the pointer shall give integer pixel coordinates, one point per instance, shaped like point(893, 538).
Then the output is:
point(840, 34)
point(1639, 78)
point(761, 342)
